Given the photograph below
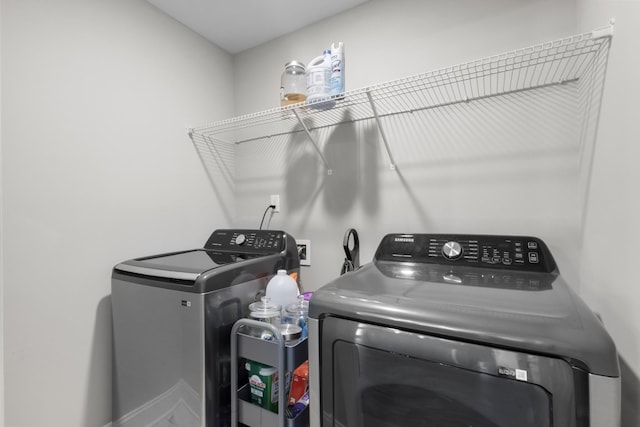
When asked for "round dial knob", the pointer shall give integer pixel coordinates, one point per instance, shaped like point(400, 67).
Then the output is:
point(240, 239)
point(452, 250)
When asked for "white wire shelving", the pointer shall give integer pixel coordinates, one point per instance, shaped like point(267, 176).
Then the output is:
point(546, 64)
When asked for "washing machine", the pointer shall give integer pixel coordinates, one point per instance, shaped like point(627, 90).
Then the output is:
point(459, 330)
point(172, 318)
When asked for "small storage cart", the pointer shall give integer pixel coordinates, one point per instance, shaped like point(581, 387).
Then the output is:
point(284, 356)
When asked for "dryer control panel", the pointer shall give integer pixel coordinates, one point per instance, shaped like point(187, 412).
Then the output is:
point(523, 253)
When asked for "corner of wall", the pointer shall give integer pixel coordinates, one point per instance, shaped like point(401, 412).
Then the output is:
point(1, 253)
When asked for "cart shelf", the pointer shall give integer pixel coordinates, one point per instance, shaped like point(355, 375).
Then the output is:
point(286, 357)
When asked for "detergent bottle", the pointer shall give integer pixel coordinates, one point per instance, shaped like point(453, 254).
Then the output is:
point(319, 82)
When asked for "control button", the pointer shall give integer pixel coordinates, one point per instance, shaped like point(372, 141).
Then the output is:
point(452, 250)
point(533, 257)
point(241, 239)
point(518, 255)
point(532, 245)
point(506, 261)
point(496, 259)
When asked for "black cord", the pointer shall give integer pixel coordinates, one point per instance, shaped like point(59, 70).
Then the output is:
point(265, 214)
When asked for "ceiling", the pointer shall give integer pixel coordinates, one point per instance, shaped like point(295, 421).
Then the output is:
point(236, 25)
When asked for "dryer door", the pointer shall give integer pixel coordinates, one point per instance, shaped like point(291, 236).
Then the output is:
point(379, 376)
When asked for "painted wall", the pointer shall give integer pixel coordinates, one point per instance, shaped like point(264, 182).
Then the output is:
point(96, 168)
point(442, 183)
point(1, 257)
point(522, 180)
point(612, 228)
point(485, 167)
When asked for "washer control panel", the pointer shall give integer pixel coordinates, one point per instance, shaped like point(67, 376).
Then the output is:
point(505, 252)
point(248, 241)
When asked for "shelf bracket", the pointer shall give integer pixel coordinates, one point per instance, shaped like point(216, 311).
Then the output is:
point(313, 141)
point(392, 164)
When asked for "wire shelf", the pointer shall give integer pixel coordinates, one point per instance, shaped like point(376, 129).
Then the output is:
point(542, 65)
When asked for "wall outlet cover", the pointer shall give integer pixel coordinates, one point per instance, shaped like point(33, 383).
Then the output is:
point(304, 251)
point(275, 201)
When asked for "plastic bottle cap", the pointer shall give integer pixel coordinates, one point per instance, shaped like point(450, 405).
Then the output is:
point(267, 371)
point(294, 64)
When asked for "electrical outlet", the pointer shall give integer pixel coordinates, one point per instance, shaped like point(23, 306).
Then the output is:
point(275, 201)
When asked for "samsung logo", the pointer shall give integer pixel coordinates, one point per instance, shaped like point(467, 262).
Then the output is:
point(404, 239)
point(518, 374)
point(507, 372)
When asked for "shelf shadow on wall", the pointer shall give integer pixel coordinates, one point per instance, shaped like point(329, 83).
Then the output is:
point(449, 156)
point(218, 160)
point(352, 152)
point(370, 175)
point(341, 152)
point(303, 172)
point(466, 142)
point(487, 130)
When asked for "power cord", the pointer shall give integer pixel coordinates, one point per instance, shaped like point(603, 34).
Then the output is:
point(265, 214)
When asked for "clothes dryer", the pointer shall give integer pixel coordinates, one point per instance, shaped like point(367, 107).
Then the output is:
point(459, 330)
point(172, 318)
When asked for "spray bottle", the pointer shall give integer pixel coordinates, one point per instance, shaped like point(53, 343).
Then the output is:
point(337, 68)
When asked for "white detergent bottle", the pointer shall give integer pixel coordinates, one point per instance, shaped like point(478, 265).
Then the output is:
point(282, 290)
point(337, 69)
point(319, 82)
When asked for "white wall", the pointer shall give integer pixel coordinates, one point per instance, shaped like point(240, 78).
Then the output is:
point(386, 40)
point(96, 168)
point(1, 252)
point(612, 229)
point(442, 175)
point(488, 167)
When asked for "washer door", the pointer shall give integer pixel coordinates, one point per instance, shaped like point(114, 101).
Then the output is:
point(378, 376)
